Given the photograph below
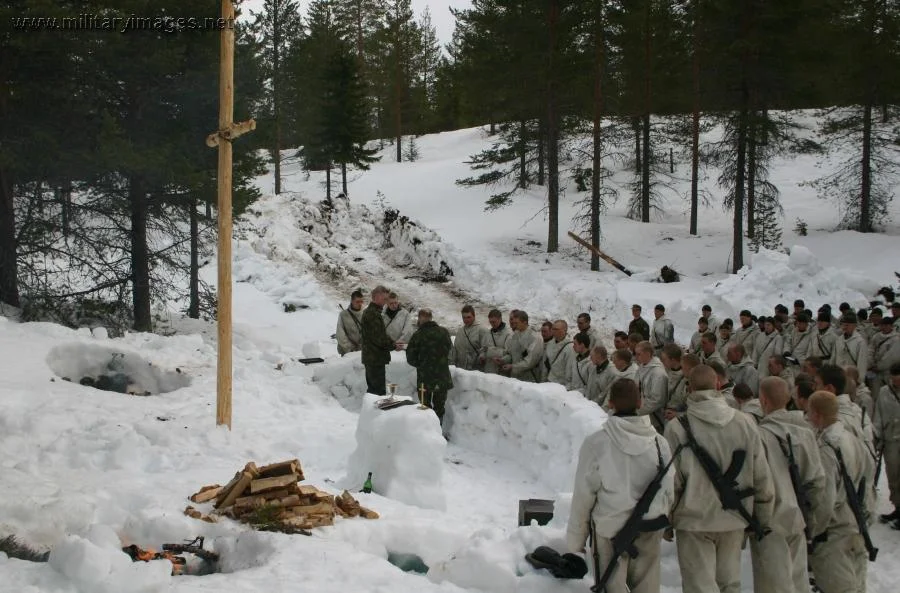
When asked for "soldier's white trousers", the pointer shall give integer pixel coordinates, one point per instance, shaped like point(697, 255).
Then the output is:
point(836, 564)
point(710, 560)
point(638, 575)
point(779, 564)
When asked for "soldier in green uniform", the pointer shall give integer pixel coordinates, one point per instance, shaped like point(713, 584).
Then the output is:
point(376, 344)
point(428, 351)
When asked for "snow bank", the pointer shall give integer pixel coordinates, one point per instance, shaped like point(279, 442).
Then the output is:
point(96, 564)
point(404, 450)
point(76, 360)
point(773, 277)
point(539, 426)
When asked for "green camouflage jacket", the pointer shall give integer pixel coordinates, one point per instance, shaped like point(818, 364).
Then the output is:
point(376, 345)
point(428, 350)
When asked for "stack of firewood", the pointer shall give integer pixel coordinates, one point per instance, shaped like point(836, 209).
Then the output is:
point(270, 497)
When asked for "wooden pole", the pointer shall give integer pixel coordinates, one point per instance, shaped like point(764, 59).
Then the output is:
point(223, 308)
point(600, 254)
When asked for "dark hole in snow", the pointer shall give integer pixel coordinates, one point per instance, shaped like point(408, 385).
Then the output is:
point(358, 259)
point(109, 370)
point(408, 562)
point(416, 241)
point(533, 243)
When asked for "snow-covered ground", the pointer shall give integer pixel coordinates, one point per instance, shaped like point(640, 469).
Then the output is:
point(85, 471)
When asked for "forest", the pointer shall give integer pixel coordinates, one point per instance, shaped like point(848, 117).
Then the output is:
point(107, 192)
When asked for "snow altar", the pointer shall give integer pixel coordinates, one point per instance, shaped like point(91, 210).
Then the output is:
point(404, 449)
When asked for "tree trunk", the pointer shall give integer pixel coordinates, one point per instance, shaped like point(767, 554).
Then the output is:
point(695, 130)
point(865, 194)
point(398, 84)
point(552, 133)
point(636, 128)
point(140, 255)
point(645, 170)
point(541, 153)
point(493, 126)
point(739, 189)
point(66, 206)
point(194, 280)
point(597, 154)
point(328, 182)
point(751, 175)
point(344, 179)
point(647, 159)
point(276, 102)
point(9, 282)
point(523, 167)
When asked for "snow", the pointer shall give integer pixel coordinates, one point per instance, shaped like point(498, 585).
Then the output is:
point(85, 472)
point(404, 449)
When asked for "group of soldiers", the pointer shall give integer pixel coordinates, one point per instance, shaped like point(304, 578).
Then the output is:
point(775, 430)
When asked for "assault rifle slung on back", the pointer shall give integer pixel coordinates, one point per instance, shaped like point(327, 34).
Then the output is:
point(623, 540)
point(725, 483)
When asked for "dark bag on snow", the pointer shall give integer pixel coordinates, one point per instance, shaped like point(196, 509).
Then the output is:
point(565, 566)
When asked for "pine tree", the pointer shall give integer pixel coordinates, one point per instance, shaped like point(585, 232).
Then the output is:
point(278, 26)
point(869, 56)
point(345, 120)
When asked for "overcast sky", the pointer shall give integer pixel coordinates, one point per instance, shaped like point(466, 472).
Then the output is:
point(440, 12)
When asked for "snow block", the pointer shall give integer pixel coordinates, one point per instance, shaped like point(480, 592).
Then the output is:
point(539, 426)
point(404, 449)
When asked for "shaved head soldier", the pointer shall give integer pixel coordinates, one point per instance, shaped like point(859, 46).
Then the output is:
point(708, 537)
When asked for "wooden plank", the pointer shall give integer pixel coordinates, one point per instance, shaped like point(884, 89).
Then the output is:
point(600, 254)
point(272, 483)
point(206, 494)
point(236, 492)
point(291, 466)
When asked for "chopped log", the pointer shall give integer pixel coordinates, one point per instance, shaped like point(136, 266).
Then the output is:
point(288, 501)
point(251, 469)
point(292, 466)
point(249, 502)
point(263, 484)
point(276, 494)
point(206, 494)
point(322, 508)
point(237, 491)
point(192, 513)
point(309, 522)
point(195, 514)
point(349, 504)
point(226, 489)
point(368, 513)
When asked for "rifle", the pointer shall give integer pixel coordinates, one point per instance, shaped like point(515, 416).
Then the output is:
point(856, 500)
point(725, 483)
point(623, 540)
point(799, 491)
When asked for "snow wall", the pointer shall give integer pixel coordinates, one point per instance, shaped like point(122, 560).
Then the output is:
point(539, 427)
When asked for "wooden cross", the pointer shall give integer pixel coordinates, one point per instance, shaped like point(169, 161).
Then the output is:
point(228, 131)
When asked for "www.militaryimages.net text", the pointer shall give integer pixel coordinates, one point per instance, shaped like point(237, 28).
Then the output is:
point(121, 24)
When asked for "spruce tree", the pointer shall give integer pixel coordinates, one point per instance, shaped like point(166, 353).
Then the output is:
point(278, 26)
